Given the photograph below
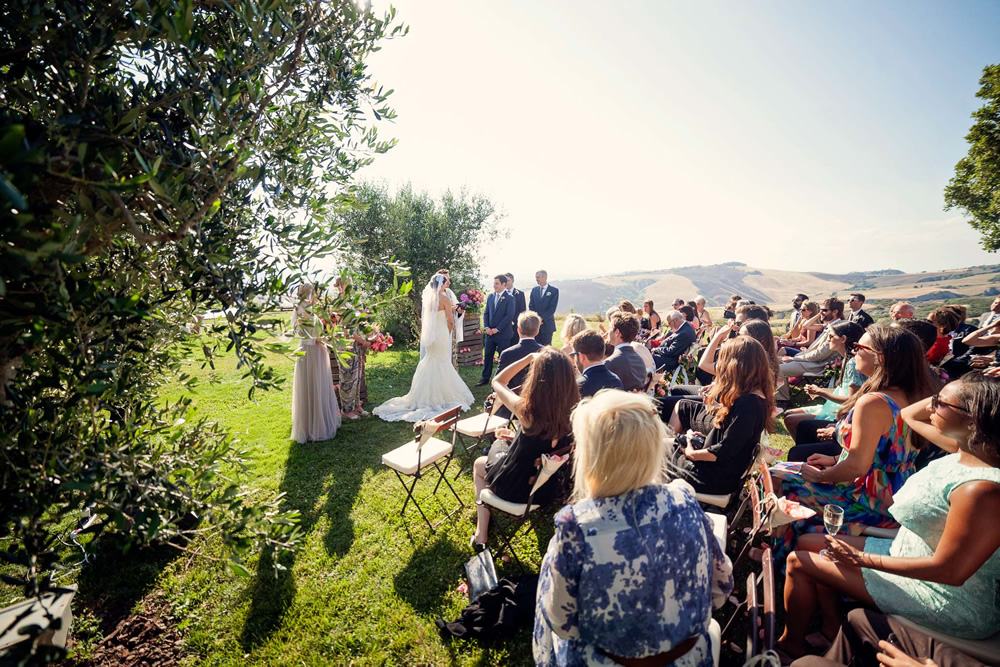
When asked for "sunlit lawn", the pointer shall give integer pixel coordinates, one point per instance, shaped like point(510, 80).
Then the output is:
point(366, 585)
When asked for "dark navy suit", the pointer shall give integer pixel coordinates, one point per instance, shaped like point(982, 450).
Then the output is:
point(596, 378)
point(498, 314)
point(515, 353)
point(544, 301)
point(519, 308)
point(666, 356)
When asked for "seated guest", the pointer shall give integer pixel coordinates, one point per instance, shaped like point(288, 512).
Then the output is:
point(548, 395)
point(812, 427)
point(695, 322)
point(677, 304)
point(674, 344)
point(804, 331)
point(815, 357)
point(633, 570)
point(573, 325)
point(877, 455)
point(902, 310)
point(625, 362)
point(946, 321)
point(941, 569)
point(797, 303)
point(528, 323)
point(650, 320)
point(607, 316)
point(627, 307)
point(867, 637)
point(729, 312)
point(689, 316)
point(857, 313)
point(738, 407)
point(754, 312)
point(992, 315)
point(588, 351)
point(922, 329)
point(701, 312)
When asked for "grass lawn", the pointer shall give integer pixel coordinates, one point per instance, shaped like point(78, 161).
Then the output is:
point(366, 585)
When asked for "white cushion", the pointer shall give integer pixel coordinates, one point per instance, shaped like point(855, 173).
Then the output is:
point(987, 650)
point(473, 426)
point(714, 500)
point(719, 527)
point(487, 497)
point(404, 459)
point(874, 531)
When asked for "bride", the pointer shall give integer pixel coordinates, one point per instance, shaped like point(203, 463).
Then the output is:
point(436, 385)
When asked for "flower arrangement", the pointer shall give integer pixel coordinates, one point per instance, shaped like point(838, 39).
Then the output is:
point(380, 342)
point(471, 299)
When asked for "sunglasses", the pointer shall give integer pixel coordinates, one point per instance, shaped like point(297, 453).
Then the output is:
point(859, 346)
point(936, 402)
point(824, 310)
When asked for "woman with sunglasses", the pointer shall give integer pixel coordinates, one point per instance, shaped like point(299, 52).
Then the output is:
point(941, 569)
point(877, 455)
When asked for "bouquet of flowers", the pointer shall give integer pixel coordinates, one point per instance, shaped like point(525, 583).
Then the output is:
point(471, 299)
point(380, 342)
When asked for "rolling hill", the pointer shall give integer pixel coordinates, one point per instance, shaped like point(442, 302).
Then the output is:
point(773, 287)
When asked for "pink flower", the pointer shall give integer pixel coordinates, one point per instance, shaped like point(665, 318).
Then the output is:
point(463, 588)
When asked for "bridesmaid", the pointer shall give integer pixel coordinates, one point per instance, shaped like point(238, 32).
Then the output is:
point(352, 370)
point(315, 415)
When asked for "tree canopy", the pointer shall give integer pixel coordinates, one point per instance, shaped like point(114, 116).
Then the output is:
point(158, 159)
point(423, 234)
point(975, 188)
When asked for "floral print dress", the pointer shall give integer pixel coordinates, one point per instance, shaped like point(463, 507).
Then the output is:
point(866, 500)
point(632, 575)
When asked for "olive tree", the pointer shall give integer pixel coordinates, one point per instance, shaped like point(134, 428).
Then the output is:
point(159, 158)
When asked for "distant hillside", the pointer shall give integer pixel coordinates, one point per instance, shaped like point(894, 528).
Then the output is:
point(773, 287)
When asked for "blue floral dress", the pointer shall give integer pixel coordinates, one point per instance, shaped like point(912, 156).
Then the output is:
point(633, 575)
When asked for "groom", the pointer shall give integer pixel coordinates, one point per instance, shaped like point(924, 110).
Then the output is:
point(497, 319)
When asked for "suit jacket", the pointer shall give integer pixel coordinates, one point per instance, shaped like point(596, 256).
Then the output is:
point(498, 314)
point(629, 367)
point(820, 351)
point(515, 353)
point(676, 344)
point(862, 318)
point(596, 378)
point(519, 306)
point(544, 302)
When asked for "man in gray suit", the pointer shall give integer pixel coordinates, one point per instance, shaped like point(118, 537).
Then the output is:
point(625, 362)
point(817, 355)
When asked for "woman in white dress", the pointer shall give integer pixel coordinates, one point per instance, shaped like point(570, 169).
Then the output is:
point(436, 385)
point(315, 415)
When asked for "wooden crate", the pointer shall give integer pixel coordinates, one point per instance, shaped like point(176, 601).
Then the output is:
point(473, 341)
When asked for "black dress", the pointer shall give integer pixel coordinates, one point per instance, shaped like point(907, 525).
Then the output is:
point(734, 443)
point(509, 476)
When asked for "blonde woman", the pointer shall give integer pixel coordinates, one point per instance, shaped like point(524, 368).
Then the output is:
point(633, 568)
point(573, 325)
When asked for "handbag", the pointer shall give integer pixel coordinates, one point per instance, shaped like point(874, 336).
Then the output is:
point(481, 573)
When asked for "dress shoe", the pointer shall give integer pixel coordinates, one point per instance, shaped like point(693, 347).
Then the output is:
point(481, 383)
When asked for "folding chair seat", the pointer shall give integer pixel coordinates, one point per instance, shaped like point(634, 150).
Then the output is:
point(719, 527)
point(473, 431)
point(508, 518)
point(413, 459)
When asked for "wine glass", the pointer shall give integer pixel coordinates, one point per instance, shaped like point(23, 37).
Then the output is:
point(833, 519)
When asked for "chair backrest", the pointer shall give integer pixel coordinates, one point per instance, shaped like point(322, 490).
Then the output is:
point(550, 466)
point(444, 421)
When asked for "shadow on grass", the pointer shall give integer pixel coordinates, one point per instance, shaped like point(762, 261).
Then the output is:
point(312, 469)
point(422, 583)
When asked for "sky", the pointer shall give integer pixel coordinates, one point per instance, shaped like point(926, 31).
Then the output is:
point(809, 136)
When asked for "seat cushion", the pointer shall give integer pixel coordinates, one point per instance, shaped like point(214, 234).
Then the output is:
point(987, 650)
point(721, 500)
point(719, 527)
point(487, 497)
point(404, 459)
point(474, 426)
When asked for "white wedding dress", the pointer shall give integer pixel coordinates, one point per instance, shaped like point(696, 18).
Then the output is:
point(436, 385)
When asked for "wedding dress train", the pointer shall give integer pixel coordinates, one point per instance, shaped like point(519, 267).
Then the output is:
point(436, 385)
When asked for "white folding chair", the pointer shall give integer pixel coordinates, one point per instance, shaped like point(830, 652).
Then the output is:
point(423, 452)
point(473, 431)
point(516, 514)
